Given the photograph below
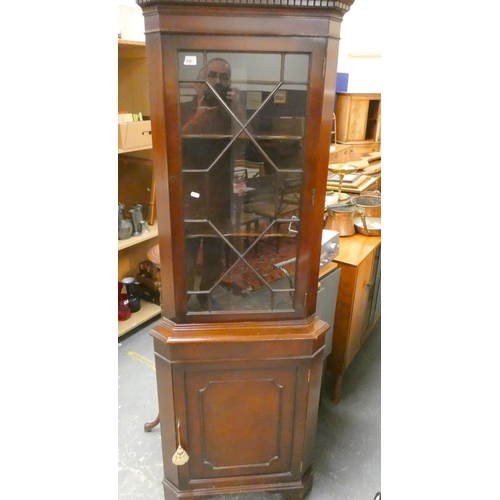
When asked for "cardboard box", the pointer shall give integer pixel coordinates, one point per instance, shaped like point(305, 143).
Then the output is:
point(134, 135)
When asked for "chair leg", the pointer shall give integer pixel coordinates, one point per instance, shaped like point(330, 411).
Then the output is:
point(151, 425)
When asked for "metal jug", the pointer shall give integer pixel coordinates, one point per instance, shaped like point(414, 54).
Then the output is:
point(341, 218)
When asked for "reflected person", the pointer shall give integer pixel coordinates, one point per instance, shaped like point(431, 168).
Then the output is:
point(206, 129)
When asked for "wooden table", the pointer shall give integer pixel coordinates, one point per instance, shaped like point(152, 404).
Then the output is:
point(358, 302)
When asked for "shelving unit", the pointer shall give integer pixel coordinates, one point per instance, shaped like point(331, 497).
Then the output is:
point(148, 311)
point(134, 240)
point(133, 97)
point(132, 77)
point(120, 151)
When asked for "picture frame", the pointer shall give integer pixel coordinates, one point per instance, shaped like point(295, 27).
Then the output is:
point(280, 97)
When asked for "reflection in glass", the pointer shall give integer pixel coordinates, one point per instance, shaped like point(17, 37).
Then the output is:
point(252, 67)
point(242, 175)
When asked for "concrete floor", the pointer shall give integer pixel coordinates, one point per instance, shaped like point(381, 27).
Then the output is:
point(348, 458)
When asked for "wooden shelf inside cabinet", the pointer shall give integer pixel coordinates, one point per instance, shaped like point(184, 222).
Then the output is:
point(131, 150)
point(134, 240)
point(148, 311)
point(133, 88)
point(243, 136)
point(131, 49)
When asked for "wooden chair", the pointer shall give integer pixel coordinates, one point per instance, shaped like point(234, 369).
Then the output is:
point(282, 205)
point(286, 202)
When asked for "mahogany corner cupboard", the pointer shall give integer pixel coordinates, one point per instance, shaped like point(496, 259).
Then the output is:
point(241, 97)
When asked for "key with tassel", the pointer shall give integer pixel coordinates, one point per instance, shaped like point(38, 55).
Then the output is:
point(180, 456)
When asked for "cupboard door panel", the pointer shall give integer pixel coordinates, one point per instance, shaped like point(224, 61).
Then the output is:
point(240, 420)
point(359, 308)
point(358, 115)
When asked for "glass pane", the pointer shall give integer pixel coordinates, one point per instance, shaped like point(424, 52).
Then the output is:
point(250, 67)
point(296, 68)
point(190, 64)
point(242, 134)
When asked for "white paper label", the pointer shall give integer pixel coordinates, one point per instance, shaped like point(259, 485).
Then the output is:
point(190, 61)
point(194, 194)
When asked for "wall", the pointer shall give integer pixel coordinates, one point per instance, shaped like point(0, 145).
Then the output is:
point(360, 46)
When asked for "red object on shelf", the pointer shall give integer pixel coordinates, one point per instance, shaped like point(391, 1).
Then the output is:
point(124, 311)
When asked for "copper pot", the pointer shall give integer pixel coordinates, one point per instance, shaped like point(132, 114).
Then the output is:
point(371, 202)
point(340, 219)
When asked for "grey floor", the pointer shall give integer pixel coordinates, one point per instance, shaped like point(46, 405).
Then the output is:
point(348, 442)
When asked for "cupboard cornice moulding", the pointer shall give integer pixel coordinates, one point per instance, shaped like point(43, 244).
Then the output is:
point(332, 5)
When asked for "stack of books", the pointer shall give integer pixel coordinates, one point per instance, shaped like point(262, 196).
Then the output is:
point(126, 117)
point(148, 284)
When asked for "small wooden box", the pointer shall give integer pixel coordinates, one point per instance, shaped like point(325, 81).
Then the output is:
point(342, 153)
point(365, 149)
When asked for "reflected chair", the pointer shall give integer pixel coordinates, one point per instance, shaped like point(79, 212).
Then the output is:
point(286, 202)
point(281, 204)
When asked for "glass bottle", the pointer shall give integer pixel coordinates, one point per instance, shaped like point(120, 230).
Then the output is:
point(124, 311)
point(133, 297)
point(125, 227)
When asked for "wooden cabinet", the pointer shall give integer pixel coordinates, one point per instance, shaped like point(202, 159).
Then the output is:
point(358, 302)
point(358, 121)
point(239, 347)
point(340, 153)
point(135, 173)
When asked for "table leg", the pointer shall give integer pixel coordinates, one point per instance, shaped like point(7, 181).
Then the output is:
point(337, 388)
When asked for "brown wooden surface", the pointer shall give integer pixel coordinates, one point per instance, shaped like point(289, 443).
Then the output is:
point(135, 181)
point(358, 306)
point(342, 153)
point(355, 122)
point(135, 170)
point(356, 260)
point(246, 405)
point(244, 394)
point(168, 189)
point(132, 78)
point(355, 248)
point(362, 149)
point(128, 259)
